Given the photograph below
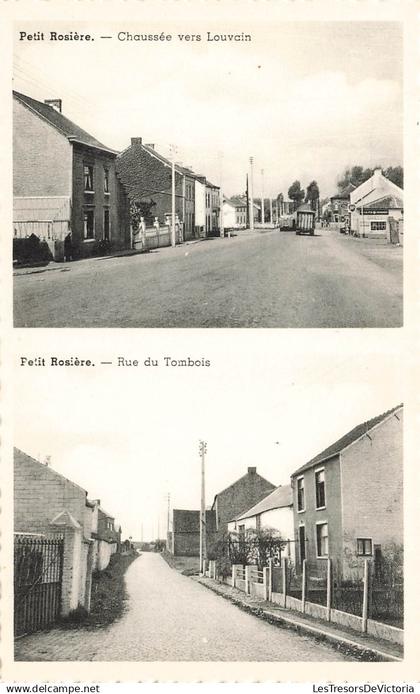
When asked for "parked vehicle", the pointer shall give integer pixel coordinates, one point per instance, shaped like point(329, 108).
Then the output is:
point(305, 222)
point(286, 223)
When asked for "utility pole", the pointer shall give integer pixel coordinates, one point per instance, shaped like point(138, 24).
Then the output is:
point(247, 202)
point(251, 202)
point(271, 211)
point(203, 534)
point(173, 231)
point(169, 511)
point(262, 197)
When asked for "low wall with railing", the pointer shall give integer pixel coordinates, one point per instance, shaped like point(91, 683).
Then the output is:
point(276, 583)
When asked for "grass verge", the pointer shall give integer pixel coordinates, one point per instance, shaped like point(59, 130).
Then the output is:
point(108, 596)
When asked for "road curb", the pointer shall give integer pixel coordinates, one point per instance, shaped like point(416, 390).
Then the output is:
point(339, 643)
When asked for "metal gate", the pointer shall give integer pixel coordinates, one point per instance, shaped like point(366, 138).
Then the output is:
point(38, 572)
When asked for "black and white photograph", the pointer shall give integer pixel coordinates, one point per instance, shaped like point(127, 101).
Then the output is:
point(209, 339)
point(277, 537)
point(193, 178)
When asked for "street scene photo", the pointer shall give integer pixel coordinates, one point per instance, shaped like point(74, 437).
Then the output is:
point(276, 538)
point(248, 182)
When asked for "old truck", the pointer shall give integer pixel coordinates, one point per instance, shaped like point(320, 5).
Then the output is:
point(305, 222)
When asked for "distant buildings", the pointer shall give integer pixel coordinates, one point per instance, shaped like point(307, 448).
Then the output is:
point(239, 496)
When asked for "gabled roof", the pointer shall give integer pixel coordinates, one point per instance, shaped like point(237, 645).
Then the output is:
point(60, 122)
point(20, 456)
point(280, 498)
point(389, 202)
point(346, 440)
point(247, 474)
point(178, 168)
point(236, 202)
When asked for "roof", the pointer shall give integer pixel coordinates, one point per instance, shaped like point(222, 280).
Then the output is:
point(346, 440)
point(248, 473)
point(60, 122)
point(178, 167)
point(306, 207)
point(236, 202)
point(186, 521)
point(280, 498)
point(18, 454)
point(389, 202)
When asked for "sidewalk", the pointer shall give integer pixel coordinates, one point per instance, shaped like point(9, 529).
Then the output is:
point(66, 266)
point(361, 646)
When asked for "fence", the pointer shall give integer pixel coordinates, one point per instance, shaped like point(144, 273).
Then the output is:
point(152, 238)
point(51, 230)
point(38, 570)
point(371, 603)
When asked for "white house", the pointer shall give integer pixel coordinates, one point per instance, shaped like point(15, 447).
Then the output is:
point(375, 206)
point(275, 511)
point(234, 213)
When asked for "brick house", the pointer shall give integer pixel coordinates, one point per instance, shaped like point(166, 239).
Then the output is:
point(185, 536)
point(65, 181)
point(47, 503)
point(348, 500)
point(239, 496)
point(147, 178)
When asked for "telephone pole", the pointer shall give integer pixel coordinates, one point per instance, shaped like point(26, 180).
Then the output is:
point(251, 190)
point(203, 538)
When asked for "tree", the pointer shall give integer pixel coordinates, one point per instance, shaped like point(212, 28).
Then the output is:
point(296, 193)
point(357, 175)
point(312, 195)
point(395, 174)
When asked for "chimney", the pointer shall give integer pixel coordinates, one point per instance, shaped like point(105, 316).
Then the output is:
point(151, 145)
point(136, 141)
point(55, 103)
point(252, 470)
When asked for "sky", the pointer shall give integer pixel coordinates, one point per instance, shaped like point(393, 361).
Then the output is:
point(130, 436)
point(305, 99)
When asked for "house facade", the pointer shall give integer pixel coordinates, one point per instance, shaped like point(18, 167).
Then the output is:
point(185, 536)
point(64, 183)
point(46, 504)
point(147, 177)
point(275, 513)
point(348, 500)
point(235, 213)
point(238, 497)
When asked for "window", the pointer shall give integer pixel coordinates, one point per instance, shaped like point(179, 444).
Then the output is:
point(106, 180)
point(106, 225)
point(88, 174)
point(320, 488)
point(322, 539)
point(302, 545)
point(378, 226)
point(88, 224)
point(300, 494)
point(364, 547)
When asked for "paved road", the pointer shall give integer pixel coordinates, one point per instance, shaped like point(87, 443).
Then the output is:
point(172, 618)
point(262, 280)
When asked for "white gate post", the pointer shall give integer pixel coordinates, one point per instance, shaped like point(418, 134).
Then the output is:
point(329, 588)
point(284, 580)
point(234, 569)
point(270, 579)
point(303, 584)
point(247, 579)
point(266, 582)
point(365, 596)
